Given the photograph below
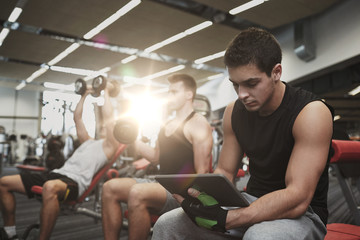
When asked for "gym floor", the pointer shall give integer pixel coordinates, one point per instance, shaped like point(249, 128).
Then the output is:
point(78, 227)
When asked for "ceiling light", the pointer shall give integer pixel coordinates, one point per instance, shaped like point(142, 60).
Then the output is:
point(165, 72)
point(354, 91)
point(122, 11)
point(3, 34)
point(15, 14)
point(198, 27)
point(36, 74)
point(212, 77)
point(59, 86)
point(102, 72)
point(21, 85)
point(63, 54)
point(128, 59)
point(77, 71)
point(210, 57)
point(337, 117)
point(179, 36)
point(246, 6)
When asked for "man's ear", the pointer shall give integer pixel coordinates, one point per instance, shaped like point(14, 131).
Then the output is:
point(189, 94)
point(276, 72)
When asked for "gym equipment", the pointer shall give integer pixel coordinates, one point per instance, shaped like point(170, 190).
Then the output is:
point(126, 130)
point(80, 86)
point(346, 161)
point(100, 83)
point(68, 207)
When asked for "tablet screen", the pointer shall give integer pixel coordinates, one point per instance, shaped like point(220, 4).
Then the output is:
point(216, 185)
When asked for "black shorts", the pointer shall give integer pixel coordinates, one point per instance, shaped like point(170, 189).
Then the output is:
point(38, 179)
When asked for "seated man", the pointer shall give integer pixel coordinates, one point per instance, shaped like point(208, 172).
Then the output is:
point(286, 133)
point(184, 146)
point(69, 181)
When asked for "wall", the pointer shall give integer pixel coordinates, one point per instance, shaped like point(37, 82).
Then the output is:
point(336, 34)
point(25, 104)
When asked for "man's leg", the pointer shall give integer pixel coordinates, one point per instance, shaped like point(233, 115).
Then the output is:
point(176, 225)
point(307, 227)
point(8, 185)
point(142, 198)
point(114, 191)
point(53, 190)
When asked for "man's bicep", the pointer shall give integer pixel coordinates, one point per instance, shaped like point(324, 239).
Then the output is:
point(312, 133)
point(202, 146)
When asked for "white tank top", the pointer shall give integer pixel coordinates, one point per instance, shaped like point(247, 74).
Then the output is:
point(81, 167)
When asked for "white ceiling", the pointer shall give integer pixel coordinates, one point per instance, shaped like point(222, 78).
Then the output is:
point(150, 22)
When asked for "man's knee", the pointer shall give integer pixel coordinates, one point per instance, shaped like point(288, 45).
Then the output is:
point(51, 189)
point(136, 195)
point(108, 188)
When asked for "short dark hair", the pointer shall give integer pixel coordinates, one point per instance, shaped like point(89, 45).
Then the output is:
point(188, 81)
point(253, 46)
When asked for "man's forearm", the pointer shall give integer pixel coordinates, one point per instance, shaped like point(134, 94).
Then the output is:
point(275, 205)
point(79, 109)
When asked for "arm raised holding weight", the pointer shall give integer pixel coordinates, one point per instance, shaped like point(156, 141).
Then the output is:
point(81, 131)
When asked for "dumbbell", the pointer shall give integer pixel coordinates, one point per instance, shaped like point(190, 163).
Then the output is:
point(80, 86)
point(100, 83)
point(126, 130)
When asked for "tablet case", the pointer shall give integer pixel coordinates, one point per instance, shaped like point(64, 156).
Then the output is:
point(216, 185)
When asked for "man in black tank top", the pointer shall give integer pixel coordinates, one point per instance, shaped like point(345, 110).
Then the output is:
point(286, 133)
point(184, 146)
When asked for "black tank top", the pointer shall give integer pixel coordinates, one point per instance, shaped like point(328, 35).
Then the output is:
point(176, 152)
point(268, 142)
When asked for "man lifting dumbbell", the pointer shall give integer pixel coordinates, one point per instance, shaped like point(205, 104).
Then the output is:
point(66, 183)
point(98, 84)
point(184, 146)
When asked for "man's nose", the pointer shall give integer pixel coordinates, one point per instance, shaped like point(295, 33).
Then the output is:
point(242, 93)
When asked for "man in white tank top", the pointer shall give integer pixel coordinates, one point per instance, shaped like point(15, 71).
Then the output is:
point(68, 182)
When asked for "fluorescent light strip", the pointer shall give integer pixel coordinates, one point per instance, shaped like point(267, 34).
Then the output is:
point(212, 77)
point(122, 11)
point(354, 91)
point(128, 59)
point(76, 71)
point(210, 57)
point(21, 85)
point(15, 14)
point(165, 72)
point(36, 74)
point(3, 34)
point(245, 6)
point(63, 54)
point(59, 86)
point(337, 117)
point(198, 27)
point(179, 36)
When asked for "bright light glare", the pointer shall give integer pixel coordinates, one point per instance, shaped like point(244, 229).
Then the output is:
point(148, 111)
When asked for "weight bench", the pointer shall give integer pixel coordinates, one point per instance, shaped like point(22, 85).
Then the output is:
point(73, 207)
point(346, 164)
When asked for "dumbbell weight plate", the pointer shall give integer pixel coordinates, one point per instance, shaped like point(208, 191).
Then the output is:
point(98, 84)
point(80, 86)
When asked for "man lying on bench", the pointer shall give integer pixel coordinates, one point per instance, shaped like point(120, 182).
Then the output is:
point(66, 183)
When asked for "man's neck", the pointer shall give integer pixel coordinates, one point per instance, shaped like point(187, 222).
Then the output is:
point(184, 112)
point(275, 101)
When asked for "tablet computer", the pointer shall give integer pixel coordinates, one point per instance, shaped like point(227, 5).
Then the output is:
point(216, 185)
